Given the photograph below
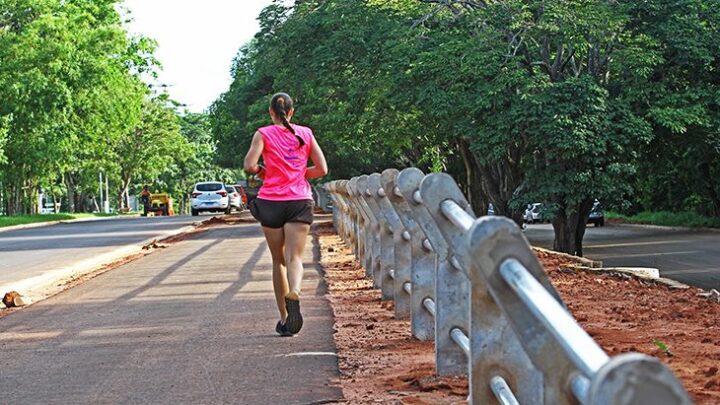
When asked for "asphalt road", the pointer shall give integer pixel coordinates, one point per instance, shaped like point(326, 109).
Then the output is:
point(190, 324)
point(689, 256)
point(29, 253)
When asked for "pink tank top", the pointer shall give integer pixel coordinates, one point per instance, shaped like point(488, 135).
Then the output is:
point(285, 163)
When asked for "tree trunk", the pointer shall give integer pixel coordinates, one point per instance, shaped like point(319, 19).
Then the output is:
point(569, 227)
point(710, 184)
point(70, 184)
point(124, 195)
point(56, 206)
point(474, 191)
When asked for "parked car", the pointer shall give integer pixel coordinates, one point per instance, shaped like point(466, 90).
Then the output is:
point(209, 196)
point(596, 217)
point(235, 198)
point(533, 213)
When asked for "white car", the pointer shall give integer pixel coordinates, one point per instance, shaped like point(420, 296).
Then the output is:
point(209, 196)
point(235, 198)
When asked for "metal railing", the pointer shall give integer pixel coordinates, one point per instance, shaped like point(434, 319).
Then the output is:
point(475, 287)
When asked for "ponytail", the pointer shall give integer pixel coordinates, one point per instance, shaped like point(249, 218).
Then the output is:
point(281, 104)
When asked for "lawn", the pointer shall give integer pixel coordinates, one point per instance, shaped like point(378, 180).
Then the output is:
point(31, 219)
point(665, 218)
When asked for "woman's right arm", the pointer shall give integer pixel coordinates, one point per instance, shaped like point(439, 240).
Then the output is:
point(319, 167)
point(253, 156)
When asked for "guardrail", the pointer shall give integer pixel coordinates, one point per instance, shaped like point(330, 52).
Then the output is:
point(475, 286)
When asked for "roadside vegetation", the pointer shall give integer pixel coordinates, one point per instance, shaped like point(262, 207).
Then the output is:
point(664, 218)
point(75, 108)
point(521, 101)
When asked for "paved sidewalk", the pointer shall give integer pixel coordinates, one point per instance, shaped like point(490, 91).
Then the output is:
point(193, 323)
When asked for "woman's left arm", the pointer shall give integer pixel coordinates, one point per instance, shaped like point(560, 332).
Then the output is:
point(319, 167)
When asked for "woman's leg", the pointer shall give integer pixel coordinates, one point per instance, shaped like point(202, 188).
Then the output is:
point(276, 241)
point(295, 237)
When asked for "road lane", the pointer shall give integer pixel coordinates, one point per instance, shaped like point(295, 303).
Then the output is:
point(33, 253)
point(190, 324)
point(689, 256)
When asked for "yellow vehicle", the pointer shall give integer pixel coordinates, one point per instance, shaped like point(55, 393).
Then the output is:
point(161, 204)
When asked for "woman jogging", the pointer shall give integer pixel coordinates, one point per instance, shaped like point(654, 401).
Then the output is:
point(284, 205)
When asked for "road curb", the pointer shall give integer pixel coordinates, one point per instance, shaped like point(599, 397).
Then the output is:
point(51, 282)
point(587, 262)
point(638, 273)
point(593, 266)
point(62, 221)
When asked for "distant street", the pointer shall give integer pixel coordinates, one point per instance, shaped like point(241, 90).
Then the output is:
point(33, 252)
point(691, 257)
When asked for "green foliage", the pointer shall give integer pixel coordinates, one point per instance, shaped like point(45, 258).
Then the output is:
point(521, 100)
point(74, 106)
point(665, 218)
point(680, 168)
point(662, 346)
point(67, 91)
point(339, 83)
point(199, 165)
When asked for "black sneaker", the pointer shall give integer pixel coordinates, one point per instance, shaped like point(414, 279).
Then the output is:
point(281, 329)
point(294, 321)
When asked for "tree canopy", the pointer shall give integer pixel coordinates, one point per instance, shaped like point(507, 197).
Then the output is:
point(523, 101)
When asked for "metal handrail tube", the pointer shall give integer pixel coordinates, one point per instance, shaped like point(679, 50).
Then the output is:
point(502, 391)
point(461, 339)
point(583, 352)
point(458, 216)
point(429, 305)
point(408, 288)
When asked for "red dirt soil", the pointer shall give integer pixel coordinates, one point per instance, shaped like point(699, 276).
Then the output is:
point(381, 362)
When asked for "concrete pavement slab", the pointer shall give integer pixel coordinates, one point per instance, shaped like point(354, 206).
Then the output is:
point(193, 323)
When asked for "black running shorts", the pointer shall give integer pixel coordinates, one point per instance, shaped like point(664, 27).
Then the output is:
point(275, 214)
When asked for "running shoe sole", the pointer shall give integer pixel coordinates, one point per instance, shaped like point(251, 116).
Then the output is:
point(294, 321)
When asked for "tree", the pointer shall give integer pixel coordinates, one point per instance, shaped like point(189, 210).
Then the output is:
point(198, 165)
point(67, 79)
point(149, 148)
point(679, 169)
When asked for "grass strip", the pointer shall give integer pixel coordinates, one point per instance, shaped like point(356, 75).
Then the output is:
point(6, 221)
point(665, 218)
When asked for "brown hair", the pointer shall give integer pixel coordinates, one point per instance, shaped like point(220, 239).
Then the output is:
point(281, 104)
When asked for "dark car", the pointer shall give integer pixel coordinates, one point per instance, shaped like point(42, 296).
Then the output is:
point(596, 217)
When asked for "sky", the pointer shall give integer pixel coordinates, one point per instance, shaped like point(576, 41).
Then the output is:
point(197, 41)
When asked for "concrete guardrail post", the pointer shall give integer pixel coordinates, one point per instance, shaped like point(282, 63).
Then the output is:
point(378, 231)
point(452, 287)
point(403, 246)
point(388, 221)
point(357, 188)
